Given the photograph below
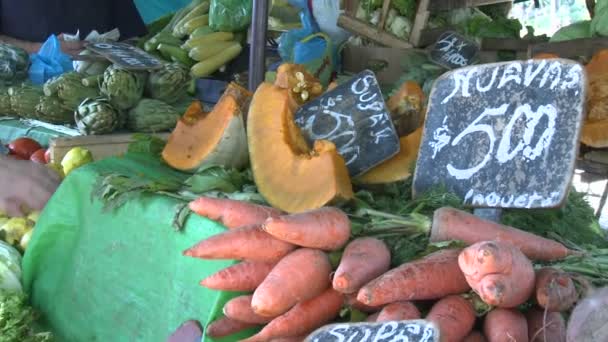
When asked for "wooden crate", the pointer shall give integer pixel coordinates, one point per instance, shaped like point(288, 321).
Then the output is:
point(585, 47)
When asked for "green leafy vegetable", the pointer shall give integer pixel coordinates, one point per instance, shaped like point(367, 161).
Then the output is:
point(145, 143)
point(17, 320)
point(406, 8)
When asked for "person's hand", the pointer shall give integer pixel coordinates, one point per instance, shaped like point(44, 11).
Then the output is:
point(25, 184)
point(71, 47)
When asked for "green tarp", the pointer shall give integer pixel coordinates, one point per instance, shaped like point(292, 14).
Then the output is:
point(11, 129)
point(118, 276)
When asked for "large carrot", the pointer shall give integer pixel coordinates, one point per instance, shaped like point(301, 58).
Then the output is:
point(303, 318)
point(545, 328)
point(327, 228)
point(353, 302)
point(434, 276)
point(226, 326)
point(250, 243)
point(453, 224)
point(239, 308)
point(454, 316)
point(232, 213)
point(498, 272)
point(300, 276)
point(398, 311)
point(363, 260)
point(555, 290)
point(474, 336)
point(505, 325)
point(244, 276)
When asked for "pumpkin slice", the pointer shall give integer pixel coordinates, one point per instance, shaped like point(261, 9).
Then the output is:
point(594, 133)
point(302, 85)
point(214, 138)
point(407, 107)
point(288, 174)
point(398, 167)
point(545, 55)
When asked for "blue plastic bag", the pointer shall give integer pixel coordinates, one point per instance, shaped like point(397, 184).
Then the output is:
point(49, 62)
point(288, 40)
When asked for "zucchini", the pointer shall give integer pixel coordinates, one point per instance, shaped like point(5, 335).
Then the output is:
point(207, 39)
point(195, 23)
point(154, 27)
point(92, 81)
point(175, 54)
point(201, 31)
point(202, 8)
point(200, 53)
point(161, 37)
point(211, 65)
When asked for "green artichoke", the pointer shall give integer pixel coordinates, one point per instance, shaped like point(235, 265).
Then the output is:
point(96, 116)
point(169, 83)
point(69, 88)
point(5, 102)
point(51, 109)
point(124, 88)
point(151, 115)
point(14, 63)
point(24, 100)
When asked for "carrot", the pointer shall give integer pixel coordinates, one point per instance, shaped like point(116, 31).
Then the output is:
point(549, 328)
point(326, 228)
point(250, 243)
point(239, 308)
point(398, 311)
point(232, 213)
point(226, 326)
point(363, 260)
point(351, 300)
point(244, 276)
point(474, 336)
point(505, 325)
point(498, 272)
point(454, 224)
point(555, 289)
point(300, 276)
point(303, 318)
point(434, 276)
point(372, 317)
point(454, 317)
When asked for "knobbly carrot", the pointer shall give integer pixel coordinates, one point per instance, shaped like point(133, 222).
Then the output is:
point(363, 260)
point(225, 326)
point(474, 336)
point(250, 243)
point(549, 327)
point(244, 276)
point(303, 318)
point(232, 213)
point(431, 277)
point(498, 272)
point(327, 228)
point(239, 308)
point(555, 290)
point(398, 311)
point(453, 224)
point(299, 276)
point(505, 325)
point(351, 300)
point(454, 316)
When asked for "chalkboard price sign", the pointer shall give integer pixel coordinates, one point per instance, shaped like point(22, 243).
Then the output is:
point(504, 135)
point(354, 117)
point(412, 331)
point(453, 51)
point(126, 56)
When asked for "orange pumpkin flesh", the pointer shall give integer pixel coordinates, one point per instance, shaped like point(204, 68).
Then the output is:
point(214, 138)
point(544, 55)
point(407, 107)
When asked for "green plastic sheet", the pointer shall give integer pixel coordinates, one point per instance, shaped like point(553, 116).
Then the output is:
point(11, 129)
point(119, 276)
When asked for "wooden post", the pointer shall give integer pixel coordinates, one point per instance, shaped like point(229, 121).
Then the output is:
point(422, 17)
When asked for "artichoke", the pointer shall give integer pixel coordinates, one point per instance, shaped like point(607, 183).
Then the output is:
point(51, 109)
point(24, 100)
point(169, 83)
point(14, 63)
point(5, 102)
point(96, 116)
point(151, 115)
point(69, 88)
point(124, 88)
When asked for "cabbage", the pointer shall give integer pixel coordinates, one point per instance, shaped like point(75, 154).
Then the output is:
point(581, 29)
point(9, 280)
point(401, 27)
point(599, 23)
point(10, 267)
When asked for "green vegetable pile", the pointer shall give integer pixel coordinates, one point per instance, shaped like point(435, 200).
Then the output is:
point(17, 319)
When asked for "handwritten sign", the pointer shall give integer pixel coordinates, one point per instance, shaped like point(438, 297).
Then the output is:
point(411, 331)
point(453, 51)
point(354, 117)
point(126, 56)
point(504, 135)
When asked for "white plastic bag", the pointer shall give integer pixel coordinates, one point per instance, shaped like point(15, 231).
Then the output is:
point(326, 13)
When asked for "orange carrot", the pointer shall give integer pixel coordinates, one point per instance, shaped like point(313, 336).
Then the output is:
point(301, 275)
point(505, 325)
point(239, 308)
point(498, 272)
point(475, 336)
point(326, 228)
point(549, 328)
point(351, 300)
point(398, 311)
point(363, 260)
point(373, 317)
point(303, 318)
point(454, 316)
point(225, 326)
point(453, 224)
point(232, 213)
point(434, 276)
point(244, 276)
point(555, 289)
point(251, 243)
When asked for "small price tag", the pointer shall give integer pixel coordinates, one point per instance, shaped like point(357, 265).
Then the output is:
point(126, 56)
point(453, 51)
point(412, 331)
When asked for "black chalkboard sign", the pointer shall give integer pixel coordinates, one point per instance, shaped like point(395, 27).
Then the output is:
point(504, 135)
point(354, 117)
point(453, 51)
point(126, 56)
point(412, 331)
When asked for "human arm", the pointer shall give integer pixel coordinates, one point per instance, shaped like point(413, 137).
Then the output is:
point(30, 47)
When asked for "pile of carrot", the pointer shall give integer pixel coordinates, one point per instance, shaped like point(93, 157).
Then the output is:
point(293, 289)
